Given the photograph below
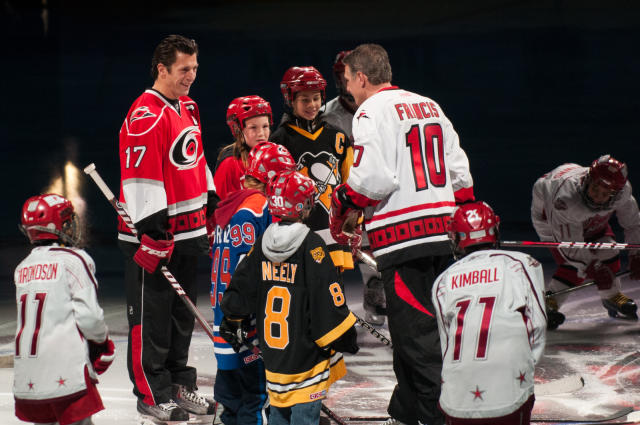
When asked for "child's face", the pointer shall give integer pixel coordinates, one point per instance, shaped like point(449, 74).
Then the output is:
point(307, 104)
point(256, 130)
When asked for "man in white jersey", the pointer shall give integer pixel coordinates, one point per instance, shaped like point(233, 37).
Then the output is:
point(62, 342)
point(574, 203)
point(492, 323)
point(339, 112)
point(408, 172)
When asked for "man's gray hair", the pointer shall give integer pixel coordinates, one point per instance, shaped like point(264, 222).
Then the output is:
point(372, 60)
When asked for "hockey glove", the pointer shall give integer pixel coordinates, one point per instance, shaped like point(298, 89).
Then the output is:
point(153, 253)
point(355, 241)
point(102, 355)
point(343, 218)
point(634, 265)
point(348, 342)
point(235, 332)
point(602, 275)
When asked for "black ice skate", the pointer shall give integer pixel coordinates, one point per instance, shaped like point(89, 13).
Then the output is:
point(162, 414)
point(193, 402)
point(621, 306)
point(554, 317)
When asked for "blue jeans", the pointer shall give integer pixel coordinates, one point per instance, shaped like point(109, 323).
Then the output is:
point(243, 394)
point(298, 414)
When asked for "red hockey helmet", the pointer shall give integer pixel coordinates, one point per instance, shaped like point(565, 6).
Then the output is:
point(610, 174)
point(473, 223)
point(267, 159)
point(290, 195)
point(49, 217)
point(243, 108)
point(300, 78)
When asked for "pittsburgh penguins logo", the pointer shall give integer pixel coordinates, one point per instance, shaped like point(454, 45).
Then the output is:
point(141, 112)
point(323, 168)
point(184, 149)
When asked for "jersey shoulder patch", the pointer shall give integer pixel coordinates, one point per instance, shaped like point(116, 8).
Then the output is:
point(317, 254)
point(144, 114)
point(254, 203)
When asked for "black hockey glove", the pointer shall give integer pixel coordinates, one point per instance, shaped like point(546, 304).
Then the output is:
point(234, 331)
point(348, 342)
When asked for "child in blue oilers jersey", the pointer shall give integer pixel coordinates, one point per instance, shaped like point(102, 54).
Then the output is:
point(240, 219)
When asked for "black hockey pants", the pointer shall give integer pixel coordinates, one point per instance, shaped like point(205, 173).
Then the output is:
point(160, 328)
point(417, 361)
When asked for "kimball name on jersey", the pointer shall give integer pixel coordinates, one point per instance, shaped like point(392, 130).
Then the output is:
point(37, 272)
point(474, 277)
point(279, 272)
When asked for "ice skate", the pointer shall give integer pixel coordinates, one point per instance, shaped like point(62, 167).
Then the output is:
point(392, 421)
point(202, 410)
point(554, 317)
point(162, 414)
point(374, 302)
point(621, 306)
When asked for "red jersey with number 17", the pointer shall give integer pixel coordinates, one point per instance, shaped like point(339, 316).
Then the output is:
point(165, 179)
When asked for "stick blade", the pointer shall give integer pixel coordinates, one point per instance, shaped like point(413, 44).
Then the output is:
point(568, 384)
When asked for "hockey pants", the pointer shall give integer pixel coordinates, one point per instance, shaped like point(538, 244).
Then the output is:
point(417, 361)
point(160, 328)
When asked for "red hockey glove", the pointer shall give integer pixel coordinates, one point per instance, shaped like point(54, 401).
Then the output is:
point(153, 253)
point(102, 355)
point(634, 265)
point(343, 220)
point(601, 274)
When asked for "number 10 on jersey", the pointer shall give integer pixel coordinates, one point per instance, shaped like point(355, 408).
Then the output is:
point(426, 147)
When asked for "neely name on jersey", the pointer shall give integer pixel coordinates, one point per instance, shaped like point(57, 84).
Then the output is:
point(279, 272)
point(475, 277)
point(420, 111)
point(37, 272)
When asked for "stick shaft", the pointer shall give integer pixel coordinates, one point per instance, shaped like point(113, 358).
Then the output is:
point(573, 245)
point(373, 331)
point(122, 212)
point(584, 285)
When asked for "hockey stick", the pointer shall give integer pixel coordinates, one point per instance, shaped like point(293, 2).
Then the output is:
point(550, 294)
point(367, 259)
point(373, 331)
point(91, 171)
point(568, 384)
point(573, 245)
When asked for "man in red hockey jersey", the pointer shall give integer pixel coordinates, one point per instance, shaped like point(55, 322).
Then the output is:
point(166, 187)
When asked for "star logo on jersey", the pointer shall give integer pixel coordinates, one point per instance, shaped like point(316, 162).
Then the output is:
point(141, 112)
point(521, 378)
point(477, 393)
point(184, 149)
point(30, 384)
point(317, 254)
point(61, 382)
point(362, 114)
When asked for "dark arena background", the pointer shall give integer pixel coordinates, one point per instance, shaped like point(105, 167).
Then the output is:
point(528, 85)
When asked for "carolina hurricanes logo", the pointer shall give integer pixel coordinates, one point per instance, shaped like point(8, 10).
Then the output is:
point(141, 112)
point(362, 114)
point(184, 149)
point(323, 169)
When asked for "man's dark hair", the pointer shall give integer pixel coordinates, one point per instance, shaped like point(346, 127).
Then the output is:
point(372, 60)
point(166, 52)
